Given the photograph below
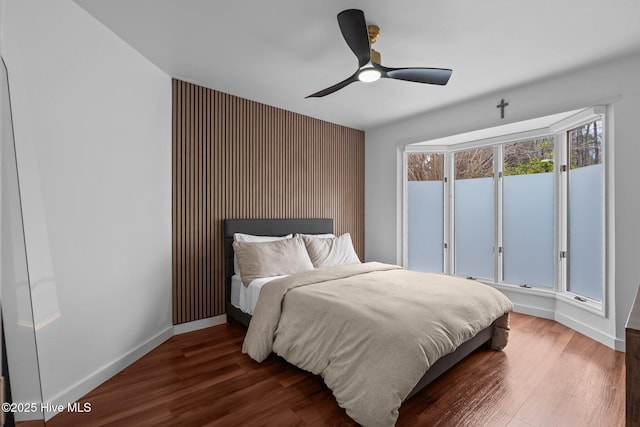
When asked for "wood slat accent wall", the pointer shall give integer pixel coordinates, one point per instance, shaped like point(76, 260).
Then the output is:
point(236, 158)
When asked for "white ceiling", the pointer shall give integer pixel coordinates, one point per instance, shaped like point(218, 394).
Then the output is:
point(279, 51)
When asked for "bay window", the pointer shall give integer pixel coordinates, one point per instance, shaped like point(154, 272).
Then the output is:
point(523, 209)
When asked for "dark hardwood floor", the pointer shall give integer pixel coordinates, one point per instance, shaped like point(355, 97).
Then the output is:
point(548, 375)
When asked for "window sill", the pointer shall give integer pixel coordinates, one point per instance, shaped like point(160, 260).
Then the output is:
point(549, 293)
point(564, 297)
point(588, 305)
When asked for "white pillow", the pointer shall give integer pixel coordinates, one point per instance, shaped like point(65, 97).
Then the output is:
point(330, 252)
point(267, 259)
point(241, 237)
point(317, 236)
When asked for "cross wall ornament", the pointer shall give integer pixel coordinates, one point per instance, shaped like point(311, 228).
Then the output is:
point(501, 107)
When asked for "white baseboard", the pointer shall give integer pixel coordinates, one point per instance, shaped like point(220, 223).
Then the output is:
point(546, 305)
point(84, 386)
point(587, 330)
point(199, 324)
point(533, 311)
point(576, 325)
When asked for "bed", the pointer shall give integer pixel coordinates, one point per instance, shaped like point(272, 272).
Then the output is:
point(362, 408)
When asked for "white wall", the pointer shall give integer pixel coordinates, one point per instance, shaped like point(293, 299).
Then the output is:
point(615, 83)
point(92, 124)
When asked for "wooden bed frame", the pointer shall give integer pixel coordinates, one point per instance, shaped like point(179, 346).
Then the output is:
point(282, 227)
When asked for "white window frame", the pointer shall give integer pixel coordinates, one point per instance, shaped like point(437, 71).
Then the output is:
point(500, 184)
point(452, 203)
point(559, 131)
point(562, 127)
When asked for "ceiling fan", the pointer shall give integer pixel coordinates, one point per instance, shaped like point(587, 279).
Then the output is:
point(359, 38)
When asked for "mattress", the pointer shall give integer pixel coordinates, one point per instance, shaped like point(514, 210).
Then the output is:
point(246, 297)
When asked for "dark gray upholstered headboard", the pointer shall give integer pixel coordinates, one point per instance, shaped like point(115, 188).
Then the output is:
point(267, 227)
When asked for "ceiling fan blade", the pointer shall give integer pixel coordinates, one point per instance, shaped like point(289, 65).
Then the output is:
point(355, 33)
point(335, 87)
point(434, 76)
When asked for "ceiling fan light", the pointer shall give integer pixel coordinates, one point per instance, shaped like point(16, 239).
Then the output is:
point(368, 75)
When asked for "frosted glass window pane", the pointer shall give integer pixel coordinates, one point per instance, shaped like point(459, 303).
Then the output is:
point(528, 212)
point(474, 227)
point(425, 226)
point(425, 206)
point(586, 225)
point(585, 232)
point(474, 213)
point(528, 229)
